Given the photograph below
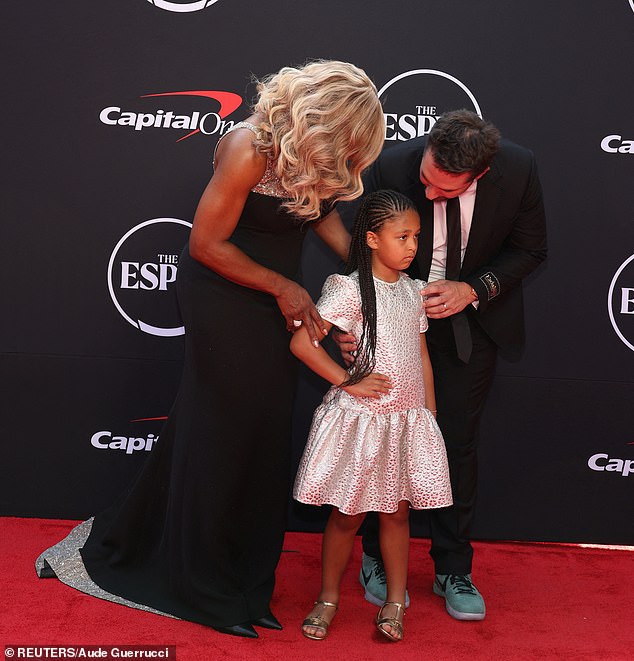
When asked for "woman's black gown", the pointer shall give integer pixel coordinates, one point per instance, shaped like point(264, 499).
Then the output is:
point(200, 533)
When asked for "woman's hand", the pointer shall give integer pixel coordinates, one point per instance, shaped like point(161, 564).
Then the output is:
point(374, 385)
point(297, 306)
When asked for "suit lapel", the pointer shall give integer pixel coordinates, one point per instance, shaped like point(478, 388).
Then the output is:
point(486, 202)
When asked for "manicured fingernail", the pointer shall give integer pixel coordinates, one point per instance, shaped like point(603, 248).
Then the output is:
point(315, 343)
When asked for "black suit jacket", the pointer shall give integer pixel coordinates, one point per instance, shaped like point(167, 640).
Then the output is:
point(507, 239)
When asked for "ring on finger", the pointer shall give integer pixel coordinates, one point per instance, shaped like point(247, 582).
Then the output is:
point(298, 322)
point(444, 305)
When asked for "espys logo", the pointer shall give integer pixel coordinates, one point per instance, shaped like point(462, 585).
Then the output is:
point(621, 302)
point(413, 101)
point(141, 273)
point(185, 6)
point(207, 123)
point(107, 440)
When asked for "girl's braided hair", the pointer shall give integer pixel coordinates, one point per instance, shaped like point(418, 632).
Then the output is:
point(376, 208)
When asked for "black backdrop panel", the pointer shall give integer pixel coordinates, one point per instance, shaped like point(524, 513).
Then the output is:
point(552, 466)
point(78, 430)
point(113, 112)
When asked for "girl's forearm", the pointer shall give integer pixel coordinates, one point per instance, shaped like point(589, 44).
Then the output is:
point(428, 376)
point(316, 358)
point(430, 395)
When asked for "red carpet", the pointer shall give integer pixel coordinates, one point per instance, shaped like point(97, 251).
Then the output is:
point(543, 602)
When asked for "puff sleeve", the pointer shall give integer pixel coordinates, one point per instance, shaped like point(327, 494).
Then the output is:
point(340, 302)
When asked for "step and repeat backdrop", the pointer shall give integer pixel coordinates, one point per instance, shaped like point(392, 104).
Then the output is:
point(111, 114)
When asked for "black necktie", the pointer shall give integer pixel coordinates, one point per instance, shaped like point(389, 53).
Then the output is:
point(459, 322)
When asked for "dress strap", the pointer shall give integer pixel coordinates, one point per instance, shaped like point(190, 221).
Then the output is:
point(238, 125)
point(245, 125)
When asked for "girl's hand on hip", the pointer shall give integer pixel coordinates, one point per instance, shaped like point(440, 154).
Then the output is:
point(374, 385)
point(299, 310)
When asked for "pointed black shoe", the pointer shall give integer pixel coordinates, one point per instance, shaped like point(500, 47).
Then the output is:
point(47, 571)
point(267, 622)
point(244, 630)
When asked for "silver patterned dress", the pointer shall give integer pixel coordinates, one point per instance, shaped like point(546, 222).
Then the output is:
point(365, 454)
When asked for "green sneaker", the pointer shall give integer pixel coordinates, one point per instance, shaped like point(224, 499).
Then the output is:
point(372, 578)
point(462, 599)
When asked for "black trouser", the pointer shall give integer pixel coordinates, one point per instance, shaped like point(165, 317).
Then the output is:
point(461, 390)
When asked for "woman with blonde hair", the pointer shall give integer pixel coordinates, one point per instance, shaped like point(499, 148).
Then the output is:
point(200, 534)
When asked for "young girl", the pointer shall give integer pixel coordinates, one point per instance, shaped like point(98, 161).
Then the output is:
point(374, 444)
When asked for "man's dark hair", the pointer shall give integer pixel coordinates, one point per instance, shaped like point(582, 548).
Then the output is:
point(460, 141)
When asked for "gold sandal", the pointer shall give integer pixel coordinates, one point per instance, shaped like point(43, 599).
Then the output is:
point(395, 623)
point(318, 621)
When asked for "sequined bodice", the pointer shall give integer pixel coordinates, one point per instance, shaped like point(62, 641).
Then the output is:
point(270, 183)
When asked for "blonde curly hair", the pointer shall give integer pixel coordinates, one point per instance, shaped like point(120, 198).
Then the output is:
point(323, 125)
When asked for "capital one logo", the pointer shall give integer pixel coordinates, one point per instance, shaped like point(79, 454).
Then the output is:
point(142, 272)
point(108, 440)
point(207, 123)
point(185, 6)
point(413, 101)
point(616, 144)
point(621, 302)
point(603, 462)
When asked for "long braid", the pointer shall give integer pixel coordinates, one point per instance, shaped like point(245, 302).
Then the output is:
point(375, 210)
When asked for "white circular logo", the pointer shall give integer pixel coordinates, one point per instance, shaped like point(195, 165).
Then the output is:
point(413, 101)
point(141, 273)
point(185, 6)
point(621, 302)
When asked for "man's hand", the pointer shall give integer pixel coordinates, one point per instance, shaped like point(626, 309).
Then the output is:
point(347, 345)
point(446, 297)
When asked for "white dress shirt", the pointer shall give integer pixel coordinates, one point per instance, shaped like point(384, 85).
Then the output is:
point(439, 251)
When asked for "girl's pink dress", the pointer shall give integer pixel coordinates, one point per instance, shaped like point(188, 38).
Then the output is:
point(366, 454)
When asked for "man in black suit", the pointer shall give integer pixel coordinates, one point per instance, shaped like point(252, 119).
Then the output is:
point(474, 304)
